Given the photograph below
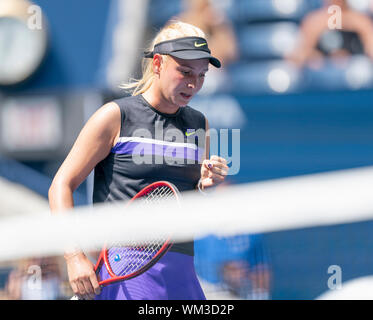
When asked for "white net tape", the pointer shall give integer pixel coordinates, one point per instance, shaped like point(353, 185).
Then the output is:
point(312, 200)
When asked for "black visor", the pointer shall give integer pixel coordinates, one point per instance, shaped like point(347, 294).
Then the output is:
point(188, 48)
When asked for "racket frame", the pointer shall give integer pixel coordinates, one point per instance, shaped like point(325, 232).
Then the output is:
point(104, 259)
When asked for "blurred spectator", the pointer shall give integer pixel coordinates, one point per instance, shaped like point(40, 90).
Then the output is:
point(35, 279)
point(239, 264)
point(203, 14)
point(248, 276)
point(235, 278)
point(318, 40)
point(220, 34)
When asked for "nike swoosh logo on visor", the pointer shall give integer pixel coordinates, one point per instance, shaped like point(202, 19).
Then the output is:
point(196, 44)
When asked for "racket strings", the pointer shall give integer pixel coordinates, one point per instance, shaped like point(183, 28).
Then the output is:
point(129, 258)
point(159, 195)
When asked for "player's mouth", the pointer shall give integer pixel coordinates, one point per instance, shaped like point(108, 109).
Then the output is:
point(185, 96)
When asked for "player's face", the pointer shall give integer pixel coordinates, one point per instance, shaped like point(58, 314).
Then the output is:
point(181, 79)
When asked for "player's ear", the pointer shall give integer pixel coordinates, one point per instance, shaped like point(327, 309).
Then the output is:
point(157, 63)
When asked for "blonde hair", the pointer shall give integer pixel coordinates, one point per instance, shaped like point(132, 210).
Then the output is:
point(173, 30)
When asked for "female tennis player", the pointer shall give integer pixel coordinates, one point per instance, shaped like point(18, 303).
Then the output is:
point(128, 143)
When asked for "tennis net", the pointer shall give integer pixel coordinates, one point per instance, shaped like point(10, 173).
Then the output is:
point(295, 238)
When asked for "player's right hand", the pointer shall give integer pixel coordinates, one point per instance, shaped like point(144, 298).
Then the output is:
point(82, 276)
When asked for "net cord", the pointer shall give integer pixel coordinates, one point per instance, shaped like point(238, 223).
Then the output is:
point(283, 204)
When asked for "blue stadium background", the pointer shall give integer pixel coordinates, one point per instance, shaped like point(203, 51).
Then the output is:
point(320, 124)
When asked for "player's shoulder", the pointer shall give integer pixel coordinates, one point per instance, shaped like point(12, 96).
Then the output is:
point(125, 101)
point(107, 113)
point(128, 105)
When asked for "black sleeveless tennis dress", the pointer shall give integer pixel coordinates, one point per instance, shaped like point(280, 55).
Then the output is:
point(154, 146)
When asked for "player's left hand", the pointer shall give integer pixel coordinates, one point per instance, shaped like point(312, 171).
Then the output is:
point(213, 171)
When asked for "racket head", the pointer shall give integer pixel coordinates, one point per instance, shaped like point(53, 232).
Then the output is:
point(126, 262)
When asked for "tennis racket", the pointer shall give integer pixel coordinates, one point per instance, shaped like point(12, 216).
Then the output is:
point(124, 262)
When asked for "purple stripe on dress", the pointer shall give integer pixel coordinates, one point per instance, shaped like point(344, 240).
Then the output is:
point(172, 278)
point(143, 148)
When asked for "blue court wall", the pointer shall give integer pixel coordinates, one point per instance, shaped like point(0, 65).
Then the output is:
point(289, 135)
point(303, 134)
